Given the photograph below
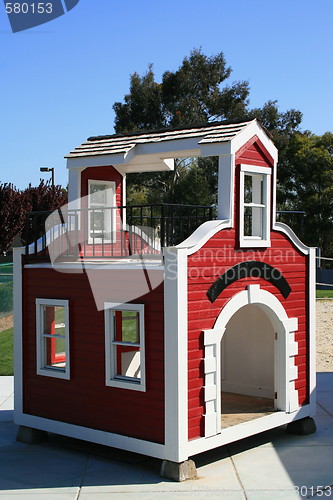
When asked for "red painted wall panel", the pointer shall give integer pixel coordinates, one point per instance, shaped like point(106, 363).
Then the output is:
point(108, 173)
point(219, 254)
point(85, 399)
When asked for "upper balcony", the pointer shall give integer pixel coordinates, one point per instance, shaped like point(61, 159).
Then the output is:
point(105, 233)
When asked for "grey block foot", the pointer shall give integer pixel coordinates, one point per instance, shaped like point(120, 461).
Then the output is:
point(302, 427)
point(30, 436)
point(178, 471)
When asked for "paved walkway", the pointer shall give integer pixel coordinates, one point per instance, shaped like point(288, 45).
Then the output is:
point(267, 466)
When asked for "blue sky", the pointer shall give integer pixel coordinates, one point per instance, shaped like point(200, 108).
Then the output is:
point(58, 81)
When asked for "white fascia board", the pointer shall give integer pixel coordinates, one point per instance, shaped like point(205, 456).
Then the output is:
point(137, 164)
point(247, 133)
point(149, 165)
point(176, 148)
point(175, 354)
point(18, 313)
point(283, 228)
point(96, 161)
point(202, 234)
point(216, 149)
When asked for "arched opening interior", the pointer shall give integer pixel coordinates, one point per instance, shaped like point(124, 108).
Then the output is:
point(247, 366)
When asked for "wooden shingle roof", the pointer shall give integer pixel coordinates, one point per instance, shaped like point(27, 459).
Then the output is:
point(122, 143)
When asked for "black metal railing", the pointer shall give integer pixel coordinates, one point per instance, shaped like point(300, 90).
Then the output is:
point(111, 231)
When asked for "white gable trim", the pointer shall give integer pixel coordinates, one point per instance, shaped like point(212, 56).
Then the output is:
point(283, 228)
point(247, 133)
point(202, 234)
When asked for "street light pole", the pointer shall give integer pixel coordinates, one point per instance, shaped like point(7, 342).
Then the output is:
point(48, 169)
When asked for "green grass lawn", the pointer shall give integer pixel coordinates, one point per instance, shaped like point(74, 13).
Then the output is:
point(7, 352)
point(321, 294)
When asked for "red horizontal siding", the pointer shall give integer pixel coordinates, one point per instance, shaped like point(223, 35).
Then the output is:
point(108, 173)
point(219, 254)
point(85, 399)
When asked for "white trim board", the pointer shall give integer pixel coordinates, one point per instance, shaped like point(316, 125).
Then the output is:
point(247, 429)
point(18, 339)
point(175, 354)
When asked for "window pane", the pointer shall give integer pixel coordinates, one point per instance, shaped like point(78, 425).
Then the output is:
point(254, 188)
point(53, 320)
point(247, 221)
point(247, 188)
point(97, 221)
point(253, 221)
point(127, 326)
point(127, 358)
point(97, 194)
point(128, 361)
point(55, 353)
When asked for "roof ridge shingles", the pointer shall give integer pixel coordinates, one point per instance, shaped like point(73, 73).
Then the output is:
point(112, 144)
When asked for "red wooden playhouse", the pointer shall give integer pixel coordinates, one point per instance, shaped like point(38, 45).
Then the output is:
point(160, 329)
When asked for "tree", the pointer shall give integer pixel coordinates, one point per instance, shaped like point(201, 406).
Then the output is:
point(12, 214)
point(14, 205)
point(194, 94)
point(44, 197)
point(310, 187)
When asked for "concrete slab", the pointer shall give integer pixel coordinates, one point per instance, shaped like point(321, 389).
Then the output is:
point(285, 467)
point(40, 467)
point(262, 467)
point(7, 403)
point(6, 387)
point(267, 495)
point(108, 476)
point(37, 495)
point(325, 401)
point(324, 382)
point(320, 411)
point(166, 495)
point(6, 415)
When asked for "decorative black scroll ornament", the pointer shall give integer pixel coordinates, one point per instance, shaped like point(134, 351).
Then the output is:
point(249, 269)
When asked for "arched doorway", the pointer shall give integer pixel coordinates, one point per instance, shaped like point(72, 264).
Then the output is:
point(250, 352)
point(247, 366)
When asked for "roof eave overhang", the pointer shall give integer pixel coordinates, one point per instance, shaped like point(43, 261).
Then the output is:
point(160, 155)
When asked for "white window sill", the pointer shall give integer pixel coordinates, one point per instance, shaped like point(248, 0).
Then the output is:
point(121, 384)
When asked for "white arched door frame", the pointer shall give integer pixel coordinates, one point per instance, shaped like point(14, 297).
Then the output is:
point(285, 370)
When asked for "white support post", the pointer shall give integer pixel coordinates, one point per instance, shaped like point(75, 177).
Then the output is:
point(226, 179)
point(175, 355)
point(18, 312)
point(312, 325)
point(74, 187)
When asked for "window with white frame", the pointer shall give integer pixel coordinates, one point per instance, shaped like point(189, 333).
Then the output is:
point(124, 346)
point(254, 223)
point(52, 329)
point(102, 211)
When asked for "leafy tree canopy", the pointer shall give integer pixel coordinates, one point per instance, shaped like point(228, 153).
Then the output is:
point(192, 94)
point(14, 205)
point(195, 93)
point(198, 92)
point(310, 187)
